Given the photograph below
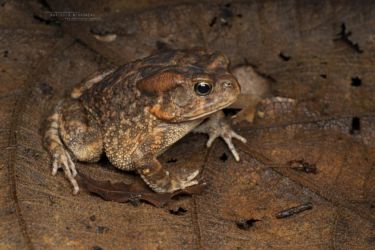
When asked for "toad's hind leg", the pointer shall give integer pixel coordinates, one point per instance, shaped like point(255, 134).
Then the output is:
point(159, 179)
point(71, 133)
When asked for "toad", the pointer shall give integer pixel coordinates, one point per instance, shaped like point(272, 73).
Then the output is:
point(134, 113)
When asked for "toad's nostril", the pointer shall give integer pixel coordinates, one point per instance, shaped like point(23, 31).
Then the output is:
point(227, 84)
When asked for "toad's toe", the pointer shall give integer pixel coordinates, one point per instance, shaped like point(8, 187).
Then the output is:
point(64, 161)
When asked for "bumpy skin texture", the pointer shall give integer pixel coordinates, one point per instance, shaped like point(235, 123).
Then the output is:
point(134, 113)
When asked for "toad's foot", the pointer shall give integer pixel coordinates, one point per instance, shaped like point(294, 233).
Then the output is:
point(60, 155)
point(63, 160)
point(216, 126)
point(189, 180)
point(227, 134)
point(159, 179)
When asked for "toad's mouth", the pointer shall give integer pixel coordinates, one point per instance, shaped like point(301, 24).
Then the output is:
point(204, 115)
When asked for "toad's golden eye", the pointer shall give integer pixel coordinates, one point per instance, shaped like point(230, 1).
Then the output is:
point(203, 88)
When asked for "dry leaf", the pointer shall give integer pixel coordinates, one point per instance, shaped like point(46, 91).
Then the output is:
point(327, 69)
point(134, 192)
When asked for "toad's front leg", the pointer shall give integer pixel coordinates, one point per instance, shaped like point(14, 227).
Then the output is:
point(217, 126)
point(71, 134)
point(160, 180)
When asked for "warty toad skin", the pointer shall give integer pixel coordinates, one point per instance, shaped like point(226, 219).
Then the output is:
point(134, 113)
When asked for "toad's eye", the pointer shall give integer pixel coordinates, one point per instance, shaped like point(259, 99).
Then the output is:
point(202, 88)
